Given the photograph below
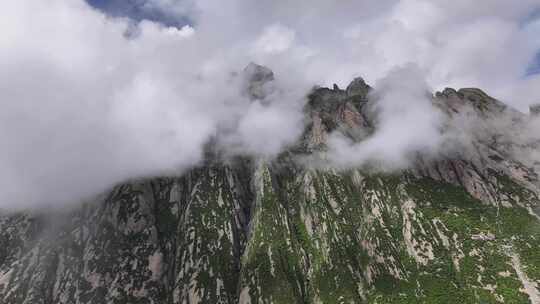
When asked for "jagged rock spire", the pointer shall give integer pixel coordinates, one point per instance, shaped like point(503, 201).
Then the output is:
point(257, 78)
point(358, 87)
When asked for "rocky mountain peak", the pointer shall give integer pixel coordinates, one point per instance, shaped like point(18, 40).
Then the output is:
point(358, 87)
point(258, 73)
point(535, 110)
point(452, 100)
point(258, 79)
point(448, 92)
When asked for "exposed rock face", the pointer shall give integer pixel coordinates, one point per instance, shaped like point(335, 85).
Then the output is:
point(459, 228)
point(258, 79)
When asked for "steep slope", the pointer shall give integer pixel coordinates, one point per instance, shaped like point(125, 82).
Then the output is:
point(462, 227)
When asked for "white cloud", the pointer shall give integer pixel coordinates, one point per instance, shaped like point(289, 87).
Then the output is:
point(406, 123)
point(275, 39)
point(185, 32)
point(84, 107)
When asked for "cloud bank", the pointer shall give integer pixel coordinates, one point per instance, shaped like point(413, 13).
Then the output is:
point(85, 106)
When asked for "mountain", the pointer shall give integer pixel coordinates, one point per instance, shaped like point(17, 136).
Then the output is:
point(461, 227)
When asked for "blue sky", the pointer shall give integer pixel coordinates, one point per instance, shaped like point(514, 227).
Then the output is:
point(136, 10)
point(534, 68)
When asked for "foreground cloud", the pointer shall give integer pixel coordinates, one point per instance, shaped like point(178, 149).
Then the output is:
point(85, 107)
point(406, 123)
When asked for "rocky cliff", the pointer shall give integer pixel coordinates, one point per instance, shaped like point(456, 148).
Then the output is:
point(457, 228)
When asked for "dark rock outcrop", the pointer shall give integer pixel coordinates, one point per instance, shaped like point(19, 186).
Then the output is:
point(257, 79)
point(535, 110)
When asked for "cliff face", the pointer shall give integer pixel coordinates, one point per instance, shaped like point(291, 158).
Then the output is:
point(456, 228)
